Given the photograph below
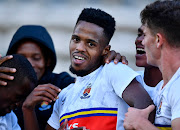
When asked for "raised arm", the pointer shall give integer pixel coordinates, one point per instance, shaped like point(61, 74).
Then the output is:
point(46, 92)
point(136, 96)
point(113, 55)
point(138, 119)
point(4, 70)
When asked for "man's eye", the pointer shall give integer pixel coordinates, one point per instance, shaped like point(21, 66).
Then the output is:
point(75, 39)
point(37, 58)
point(139, 34)
point(91, 44)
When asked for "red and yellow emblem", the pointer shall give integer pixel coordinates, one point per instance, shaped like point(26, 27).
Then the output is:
point(86, 92)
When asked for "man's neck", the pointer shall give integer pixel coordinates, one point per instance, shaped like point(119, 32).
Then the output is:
point(169, 63)
point(152, 76)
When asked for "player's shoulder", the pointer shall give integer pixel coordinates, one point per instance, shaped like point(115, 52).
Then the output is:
point(66, 89)
point(113, 65)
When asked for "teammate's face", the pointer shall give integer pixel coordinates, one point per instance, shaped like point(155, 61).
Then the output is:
point(12, 96)
point(150, 46)
point(87, 47)
point(141, 59)
point(33, 53)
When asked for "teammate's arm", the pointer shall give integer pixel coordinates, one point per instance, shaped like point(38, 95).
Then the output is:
point(4, 70)
point(137, 119)
point(136, 96)
point(48, 93)
point(48, 127)
point(176, 124)
point(113, 55)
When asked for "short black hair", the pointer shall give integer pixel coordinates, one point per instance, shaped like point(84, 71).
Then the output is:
point(100, 18)
point(164, 17)
point(23, 67)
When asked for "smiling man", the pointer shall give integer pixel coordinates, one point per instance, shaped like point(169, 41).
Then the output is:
point(101, 94)
point(151, 74)
point(161, 25)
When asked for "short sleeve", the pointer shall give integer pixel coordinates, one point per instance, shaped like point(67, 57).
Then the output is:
point(174, 97)
point(120, 76)
point(14, 120)
point(54, 119)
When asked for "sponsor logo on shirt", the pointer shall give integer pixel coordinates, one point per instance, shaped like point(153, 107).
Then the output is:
point(92, 118)
point(86, 92)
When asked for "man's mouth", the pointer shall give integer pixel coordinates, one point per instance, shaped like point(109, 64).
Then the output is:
point(140, 51)
point(79, 58)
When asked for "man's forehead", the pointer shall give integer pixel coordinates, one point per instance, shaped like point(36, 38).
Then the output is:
point(89, 30)
point(144, 28)
point(88, 25)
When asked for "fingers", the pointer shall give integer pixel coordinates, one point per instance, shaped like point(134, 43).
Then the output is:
point(5, 76)
point(45, 92)
point(3, 83)
point(117, 58)
point(48, 91)
point(124, 60)
point(4, 70)
point(7, 70)
point(110, 56)
point(149, 109)
point(3, 59)
point(63, 126)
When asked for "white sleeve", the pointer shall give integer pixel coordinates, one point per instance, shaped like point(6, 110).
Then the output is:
point(54, 119)
point(15, 125)
point(120, 76)
point(175, 100)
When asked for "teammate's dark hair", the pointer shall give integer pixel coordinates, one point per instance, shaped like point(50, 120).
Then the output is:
point(164, 17)
point(100, 18)
point(23, 67)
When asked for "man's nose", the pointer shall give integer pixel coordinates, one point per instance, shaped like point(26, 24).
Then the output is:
point(81, 46)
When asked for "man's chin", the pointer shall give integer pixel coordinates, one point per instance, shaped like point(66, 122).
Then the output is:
point(77, 72)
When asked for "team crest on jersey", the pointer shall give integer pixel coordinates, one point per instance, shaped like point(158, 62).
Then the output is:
point(86, 92)
point(159, 107)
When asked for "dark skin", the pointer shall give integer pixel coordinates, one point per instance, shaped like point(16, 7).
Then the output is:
point(152, 74)
point(112, 55)
point(47, 92)
point(80, 45)
point(13, 99)
point(141, 101)
point(41, 93)
point(6, 70)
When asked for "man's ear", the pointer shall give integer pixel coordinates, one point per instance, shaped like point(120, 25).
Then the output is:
point(106, 50)
point(159, 40)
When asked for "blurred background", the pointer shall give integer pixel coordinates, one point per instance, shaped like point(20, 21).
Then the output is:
point(59, 17)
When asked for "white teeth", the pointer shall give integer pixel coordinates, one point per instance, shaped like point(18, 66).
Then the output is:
point(79, 58)
point(140, 49)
